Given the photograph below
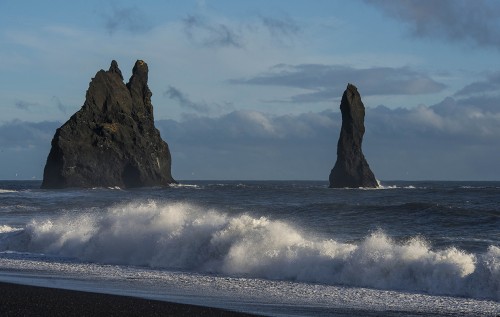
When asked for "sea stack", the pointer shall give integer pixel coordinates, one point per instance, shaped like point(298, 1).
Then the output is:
point(112, 140)
point(351, 169)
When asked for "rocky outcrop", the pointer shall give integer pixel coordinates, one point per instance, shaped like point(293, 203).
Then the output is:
point(351, 169)
point(112, 139)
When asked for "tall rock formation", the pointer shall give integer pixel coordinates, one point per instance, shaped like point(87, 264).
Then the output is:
point(111, 140)
point(351, 169)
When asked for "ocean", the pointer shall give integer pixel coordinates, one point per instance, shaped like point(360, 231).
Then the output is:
point(278, 248)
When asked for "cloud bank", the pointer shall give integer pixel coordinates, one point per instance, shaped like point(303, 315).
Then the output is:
point(456, 139)
point(24, 147)
point(449, 140)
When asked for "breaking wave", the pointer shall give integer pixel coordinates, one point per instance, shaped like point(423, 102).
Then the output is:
point(184, 236)
point(6, 191)
point(7, 229)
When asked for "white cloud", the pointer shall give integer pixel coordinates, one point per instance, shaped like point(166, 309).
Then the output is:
point(451, 119)
point(426, 142)
point(450, 140)
point(426, 117)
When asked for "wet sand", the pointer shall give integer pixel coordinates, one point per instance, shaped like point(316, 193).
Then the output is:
point(22, 300)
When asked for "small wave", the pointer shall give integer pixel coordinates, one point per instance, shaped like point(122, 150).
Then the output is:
point(6, 191)
point(107, 188)
point(381, 186)
point(7, 229)
point(230, 184)
point(184, 186)
point(183, 236)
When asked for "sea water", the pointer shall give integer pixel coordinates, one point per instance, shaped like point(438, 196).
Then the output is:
point(275, 248)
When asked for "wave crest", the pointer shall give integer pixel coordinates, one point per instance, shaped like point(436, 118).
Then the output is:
point(188, 237)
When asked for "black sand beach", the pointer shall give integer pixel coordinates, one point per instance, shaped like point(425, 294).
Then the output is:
point(23, 300)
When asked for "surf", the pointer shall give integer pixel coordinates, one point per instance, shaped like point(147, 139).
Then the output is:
point(189, 237)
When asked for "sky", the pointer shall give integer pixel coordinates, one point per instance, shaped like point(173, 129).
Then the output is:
point(250, 90)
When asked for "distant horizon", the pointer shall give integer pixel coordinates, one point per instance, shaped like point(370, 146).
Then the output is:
point(286, 180)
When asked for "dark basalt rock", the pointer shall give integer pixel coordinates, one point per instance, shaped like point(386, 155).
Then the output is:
point(112, 140)
point(351, 169)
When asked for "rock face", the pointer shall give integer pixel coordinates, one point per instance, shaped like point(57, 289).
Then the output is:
point(111, 140)
point(351, 169)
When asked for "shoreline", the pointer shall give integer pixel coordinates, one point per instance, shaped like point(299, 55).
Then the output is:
point(27, 300)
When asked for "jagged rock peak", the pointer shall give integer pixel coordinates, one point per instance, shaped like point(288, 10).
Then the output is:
point(140, 67)
point(351, 168)
point(140, 73)
point(111, 141)
point(352, 88)
point(114, 69)
point(138, 82)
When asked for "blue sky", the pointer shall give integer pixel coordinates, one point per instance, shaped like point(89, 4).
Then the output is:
point(251, 89)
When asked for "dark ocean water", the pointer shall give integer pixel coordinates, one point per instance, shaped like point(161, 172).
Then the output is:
point(278, 248)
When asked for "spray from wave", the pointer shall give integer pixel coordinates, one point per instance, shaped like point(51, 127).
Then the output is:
point(184, 236)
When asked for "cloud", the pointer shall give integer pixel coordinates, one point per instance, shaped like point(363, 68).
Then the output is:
point(251, 145)
point(216, 32)
point(211, 34)
point(18, 134)
point(28, 106)
point(59, 105)
point(25, 105)
point(184, 101)
point(281, 27)
point(328, 81)
point(200, 107)
point(455, 139)
point(476, 22)
point(490, 85)
point(24, 147)
point(451, 120)
point(451, 140)
point(131, 19)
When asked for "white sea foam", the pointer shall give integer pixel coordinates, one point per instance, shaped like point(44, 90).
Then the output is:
point(7, 229)
point(6, 191)
point(190, 238)
point(184, 186)
point(381, 186)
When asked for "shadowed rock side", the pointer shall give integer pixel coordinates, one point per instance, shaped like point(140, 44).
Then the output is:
point(351, 169)
point(111, 141)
